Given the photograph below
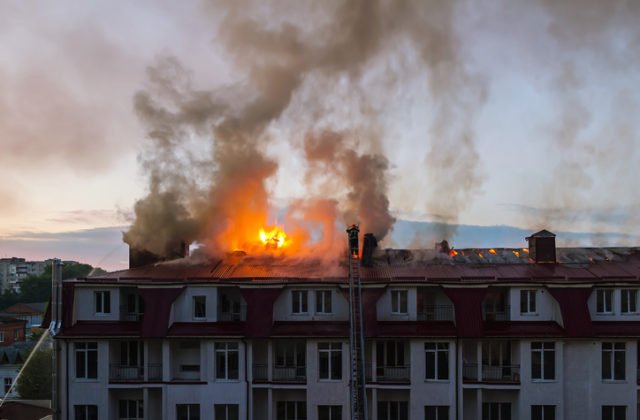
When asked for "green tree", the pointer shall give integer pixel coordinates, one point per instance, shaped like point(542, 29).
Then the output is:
point(35, 380)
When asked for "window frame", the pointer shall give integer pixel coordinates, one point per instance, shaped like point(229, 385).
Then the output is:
point(604, 299)
point(199, 303)
point(86, 348)
point(329, 351)
point(227, 414)
point(541, 412)
point(546, 350)
point(440, 412)
point(612, 350)
point(299, 410)
point(324, 298)
point(189, 414)
point(138, 409)
point(528, 302)
point(435, 352)
point(227, 349)
point(86, 415)
point(334, 412)
point(496, 408)
point(612, 412)
point(102, 302)
point(8, 383)
point(399, 298)
point(629, 306)
point(386, 410)
point(300, 302)
point(1, 336)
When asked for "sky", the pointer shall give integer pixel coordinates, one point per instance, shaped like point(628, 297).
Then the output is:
point(549, 104)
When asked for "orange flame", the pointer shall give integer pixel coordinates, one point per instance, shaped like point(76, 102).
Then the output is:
point(492, 251)
point(525, 250)
point(516, 253)
point(453, 253)
point(273, 238)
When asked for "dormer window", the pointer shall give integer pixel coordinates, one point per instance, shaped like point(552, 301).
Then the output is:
point(102, 302)
point(528, 302)
point(323, 302)
point(399, 302)
point(629, 301)
point(299, 302)
point(604, 301)
point(199, 307)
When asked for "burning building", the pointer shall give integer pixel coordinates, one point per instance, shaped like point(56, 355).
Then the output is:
point(528, 333)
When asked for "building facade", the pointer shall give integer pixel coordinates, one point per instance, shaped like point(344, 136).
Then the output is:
point(472, 335)
point(14, 270)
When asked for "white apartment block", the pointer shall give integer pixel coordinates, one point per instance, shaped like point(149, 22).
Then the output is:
point(483, 335)
point(14, 270)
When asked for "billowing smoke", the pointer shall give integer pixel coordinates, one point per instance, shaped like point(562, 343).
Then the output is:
point(207, 156)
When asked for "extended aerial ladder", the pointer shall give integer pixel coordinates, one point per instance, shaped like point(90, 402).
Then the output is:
point(356, 332)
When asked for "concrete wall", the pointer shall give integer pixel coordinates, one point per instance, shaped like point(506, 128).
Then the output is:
point(383, 308)
point(86, 311)
point(545, 305)
point(183, 305)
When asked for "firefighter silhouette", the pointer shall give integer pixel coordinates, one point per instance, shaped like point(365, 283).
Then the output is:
point(353, 231)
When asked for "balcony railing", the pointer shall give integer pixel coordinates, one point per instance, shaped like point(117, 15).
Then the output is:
point(120, 373)
point(392, 373)
point(488, 373)
point(295, 374)
point(260, 372)
point(493, 313)
point(131, 316)
point(436, 313)
point(228, 316)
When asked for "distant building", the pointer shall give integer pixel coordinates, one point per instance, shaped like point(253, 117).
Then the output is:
point(14, 270)
point(12, 330)
point(30, 312)
point(11, 360)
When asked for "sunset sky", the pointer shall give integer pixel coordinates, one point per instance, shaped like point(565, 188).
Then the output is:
point(555, 134)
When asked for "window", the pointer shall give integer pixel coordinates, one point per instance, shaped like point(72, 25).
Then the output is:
point(604, 301)
point(135, 306)
point(496, 411)
point(614, 412)
point(290, 360)
point(291, 410)
point(85, 412)
point(299, 304)
point(543, 361)
point(436, 412)
point(613, 361)
point(226, 360)
point(329, 412)
point(399, 302)
point(199, 307)
point(390, 360)
point(528, 301)
point(188, 411)
point(323, 301)
point(628, 301)
point(543, 412)
point(437, 361)
point(103, 302)
point(330, 360)
point(131, 353)
point(7, 385)
point(1, 336)
point(16, 335)
point(393, 410)
point(86, 360)
point(130, 409)
point(226, 412)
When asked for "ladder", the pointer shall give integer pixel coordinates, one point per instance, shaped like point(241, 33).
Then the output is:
point(356, 333)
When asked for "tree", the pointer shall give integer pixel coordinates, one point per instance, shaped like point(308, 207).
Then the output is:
point(35, 380)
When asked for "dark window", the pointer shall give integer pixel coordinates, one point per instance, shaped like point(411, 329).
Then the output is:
point(299, 303)
point(543, 360)
point(7, 385)
point(323, 301)
point(86, 412)
point(496, 411)
point(613, 361)
point(131, 409)
point(543, 412)
point(291, 410)
point(199, 307)
point(436, 412)
point(86, 360)
point(437, 361)
point(614, 412)
point(188, 411)
point(629, 301)
point(399, 301)
point(330, 360)
point(226, 360)
point(604, 301)
point(528, 301)
point(393, 410)
point(226, 412)
point(132, 353)
point(103, 302)
point(329, 412)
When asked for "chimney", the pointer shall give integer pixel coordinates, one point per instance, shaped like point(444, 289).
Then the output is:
point(141, 257)
point(370, 244)
point(443, 247)
point(542, 247)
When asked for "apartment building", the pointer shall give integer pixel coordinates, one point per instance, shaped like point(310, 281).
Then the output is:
point(475, 334)
point(14, 270)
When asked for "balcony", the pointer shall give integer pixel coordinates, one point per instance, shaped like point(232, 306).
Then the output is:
point(436, 313)
point(394, 374)
point(240, 314)
point(492, 312)
point(120, 373)
point(505, 374)
point(288, 374)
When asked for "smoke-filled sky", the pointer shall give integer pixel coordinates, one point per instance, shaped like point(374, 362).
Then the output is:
point(516, 113)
